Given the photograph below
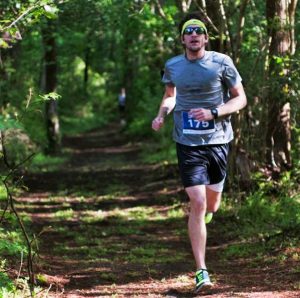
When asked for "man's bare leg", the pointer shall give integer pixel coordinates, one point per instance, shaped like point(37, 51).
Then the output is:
point(196, 224)
point(213, 200)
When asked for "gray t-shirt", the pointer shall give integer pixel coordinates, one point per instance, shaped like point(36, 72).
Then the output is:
point(201, 83)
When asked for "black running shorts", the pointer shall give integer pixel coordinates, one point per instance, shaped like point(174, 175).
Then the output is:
point(200, 165)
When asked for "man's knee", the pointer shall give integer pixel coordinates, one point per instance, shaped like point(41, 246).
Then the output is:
point(197, 198)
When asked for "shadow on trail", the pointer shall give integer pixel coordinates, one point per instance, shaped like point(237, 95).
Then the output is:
point(109, 218)
point(116, 226)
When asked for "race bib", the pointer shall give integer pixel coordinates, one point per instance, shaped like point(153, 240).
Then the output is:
point(195, 127)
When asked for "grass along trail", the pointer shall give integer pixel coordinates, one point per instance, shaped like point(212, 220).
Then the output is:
point(116, 227)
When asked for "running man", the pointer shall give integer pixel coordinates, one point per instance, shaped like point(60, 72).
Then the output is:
point(204, 88)
point(122, 104)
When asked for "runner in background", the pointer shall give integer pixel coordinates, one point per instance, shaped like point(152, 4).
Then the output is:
point(204, 88)
point(122, 104)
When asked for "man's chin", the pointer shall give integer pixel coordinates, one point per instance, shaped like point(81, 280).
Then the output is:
point(195, 49)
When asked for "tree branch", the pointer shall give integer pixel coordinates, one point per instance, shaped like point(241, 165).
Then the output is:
point(160, 9)
point(20, 17)
point(225, 28)
point(10, 202)
point(29, 257)
point(207, 17)
point(240, 28)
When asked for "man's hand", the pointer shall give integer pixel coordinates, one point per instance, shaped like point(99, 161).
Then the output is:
point(157, 123)
point(167, 105)
point(201, 114)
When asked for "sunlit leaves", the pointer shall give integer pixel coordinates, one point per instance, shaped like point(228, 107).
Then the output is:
point(22, 14)
point(50, 96)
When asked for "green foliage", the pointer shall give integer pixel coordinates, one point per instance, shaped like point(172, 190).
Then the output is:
point(7, 123)
point(11, 243)
point(270, 215)
point(65, 214)
point(114, 59)
point(103, 45)
point(82, 123)
point(267, 219)
point(44, 163)
point(11, 237)
point(6, 284)
point(50, 96)
point(17, 289)
point(19, 67)
point(16, 15)
point(126, 43)
point(18, 146)
point(12, 248)
point(3, 193)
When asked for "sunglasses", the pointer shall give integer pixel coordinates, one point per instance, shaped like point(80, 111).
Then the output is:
point(190, 30)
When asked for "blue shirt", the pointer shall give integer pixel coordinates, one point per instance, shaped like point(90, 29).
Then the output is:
point(201, 83)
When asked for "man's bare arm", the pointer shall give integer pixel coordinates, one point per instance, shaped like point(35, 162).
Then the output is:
point(237, 102)
point(166, 107)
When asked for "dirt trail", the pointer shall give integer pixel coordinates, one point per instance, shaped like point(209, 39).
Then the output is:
point(113, 229)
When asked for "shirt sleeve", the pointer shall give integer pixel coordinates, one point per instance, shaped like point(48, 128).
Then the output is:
point(231, 76)
point(166, 78)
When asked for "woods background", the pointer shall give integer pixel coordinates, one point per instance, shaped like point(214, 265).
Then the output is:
point(85, 51)
point(64, 62)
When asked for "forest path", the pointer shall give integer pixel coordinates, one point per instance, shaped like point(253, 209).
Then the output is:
point(116, 227)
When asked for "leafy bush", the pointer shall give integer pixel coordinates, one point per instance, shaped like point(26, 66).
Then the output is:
point(11, 243)
point(267, 219)
point(18, 146)
point(6, 284)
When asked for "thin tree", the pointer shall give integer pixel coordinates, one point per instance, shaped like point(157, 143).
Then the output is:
point(49, 83)
point(280, 16)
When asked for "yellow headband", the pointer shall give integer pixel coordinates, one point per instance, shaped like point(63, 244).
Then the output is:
point(193, 22)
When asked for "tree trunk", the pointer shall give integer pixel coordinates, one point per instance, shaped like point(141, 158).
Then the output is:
point(216, 12)
point(183, 5)
point(86, 69)
point(239, 163)
point(49, 82)
point(280, 16)
point(240, 29)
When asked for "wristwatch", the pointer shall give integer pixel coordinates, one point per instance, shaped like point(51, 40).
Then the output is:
point(214, 112)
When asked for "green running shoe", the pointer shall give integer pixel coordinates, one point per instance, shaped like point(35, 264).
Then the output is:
point(202, 280)
point(208, 217)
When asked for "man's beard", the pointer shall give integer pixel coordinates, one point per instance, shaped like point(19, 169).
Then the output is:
point(194, 48)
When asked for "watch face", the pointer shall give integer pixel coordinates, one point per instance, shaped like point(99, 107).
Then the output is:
point(214, 112)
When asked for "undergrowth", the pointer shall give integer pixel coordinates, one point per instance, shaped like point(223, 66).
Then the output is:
point(266, 222)
point(13, 251)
